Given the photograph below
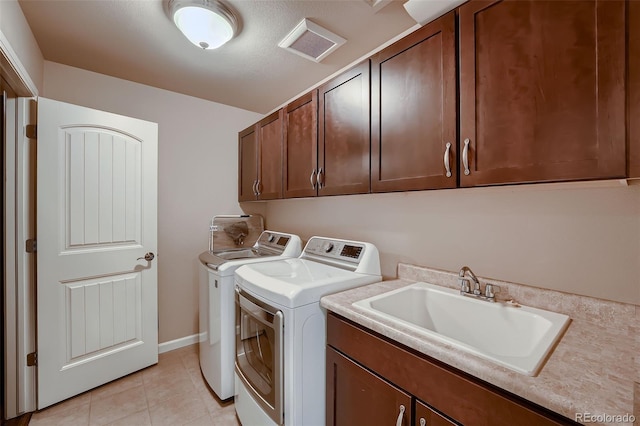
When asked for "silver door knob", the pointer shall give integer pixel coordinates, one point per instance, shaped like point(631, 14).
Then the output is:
point(148, 257)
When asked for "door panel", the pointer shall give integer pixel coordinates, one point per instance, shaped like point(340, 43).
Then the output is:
point(96, 203)
point(102, 313)
point(103, 188)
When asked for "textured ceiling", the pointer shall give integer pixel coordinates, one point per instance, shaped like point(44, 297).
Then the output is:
point(135, 40)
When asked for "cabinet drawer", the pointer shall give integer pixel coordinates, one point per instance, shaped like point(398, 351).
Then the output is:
point(458, 395)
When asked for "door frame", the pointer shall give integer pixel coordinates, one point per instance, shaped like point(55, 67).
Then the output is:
point(19, 384)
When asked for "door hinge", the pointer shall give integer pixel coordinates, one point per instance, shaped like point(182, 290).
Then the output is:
point(32, 131)
point(30, 245)
point(32, 359)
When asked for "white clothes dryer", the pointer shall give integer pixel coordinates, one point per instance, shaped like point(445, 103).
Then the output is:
point(217, 311)
point(281, 329)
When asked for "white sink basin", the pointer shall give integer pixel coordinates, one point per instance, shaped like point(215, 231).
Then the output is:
point(517, 337)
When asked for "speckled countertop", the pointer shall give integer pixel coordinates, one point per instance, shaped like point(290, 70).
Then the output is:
point(594, 369)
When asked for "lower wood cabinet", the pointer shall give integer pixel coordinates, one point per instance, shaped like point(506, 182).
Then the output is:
point(370, 378)
point(359, 396)
point(425, 415)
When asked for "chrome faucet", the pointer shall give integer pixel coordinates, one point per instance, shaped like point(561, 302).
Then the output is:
point(465, 289)
point(464, 282)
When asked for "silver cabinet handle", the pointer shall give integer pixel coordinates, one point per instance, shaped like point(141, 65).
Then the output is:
point(320, 178)
point(255, 191)
point(400, 416)
point(148, 257)
point(312, 180)
point(447, 165)
point(465, 157)
point(258, 187)
point(423, 422)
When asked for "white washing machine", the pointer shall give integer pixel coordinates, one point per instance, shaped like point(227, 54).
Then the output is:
point(281, 329)
point(217, 308)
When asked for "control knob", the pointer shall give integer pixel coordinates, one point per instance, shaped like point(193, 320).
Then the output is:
point(327, 247)
point(271, 238)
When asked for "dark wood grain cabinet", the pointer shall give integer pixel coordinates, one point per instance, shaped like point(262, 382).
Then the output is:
point(542, 91)
point(369, 377)
point(327, 138)
point(359, 397)
point(344, 142)
point(413, 111)
point(495, 92)
point(427, 416)
point(633, 30)
point(247, 164)
point(301, 146)
point(260, 155)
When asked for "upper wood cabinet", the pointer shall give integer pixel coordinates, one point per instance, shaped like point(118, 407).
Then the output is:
point(301, 146)
point(247, 164)
point(260, 160)
point(270, 148)
point(413, 111)
point(542, 91)
point(495, 92)
point(633, 167)
point(344, 143)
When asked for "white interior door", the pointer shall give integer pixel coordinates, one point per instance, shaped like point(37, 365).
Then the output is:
point(97, 311)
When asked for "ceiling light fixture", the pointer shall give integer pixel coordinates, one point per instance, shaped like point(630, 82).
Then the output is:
point(206, 23)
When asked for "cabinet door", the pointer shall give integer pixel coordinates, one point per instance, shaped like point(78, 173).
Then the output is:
point(542, 91)
point(426, 416)
point(269, 184)
point(247, 164)
point(355, 396)
point(301, 146)
point(634, 89)
point(413, 110)
point(344, 142)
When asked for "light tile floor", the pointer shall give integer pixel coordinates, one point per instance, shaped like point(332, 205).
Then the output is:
point(172, 392)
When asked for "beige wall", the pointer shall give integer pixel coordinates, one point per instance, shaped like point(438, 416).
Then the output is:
point(568, 237)
point(197, 174)
point(17, 42)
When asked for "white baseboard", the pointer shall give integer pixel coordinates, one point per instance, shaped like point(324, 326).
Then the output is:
point(178, 343)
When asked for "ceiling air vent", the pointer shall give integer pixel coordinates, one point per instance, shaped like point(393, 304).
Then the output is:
point(311, 41)
point(376, 5)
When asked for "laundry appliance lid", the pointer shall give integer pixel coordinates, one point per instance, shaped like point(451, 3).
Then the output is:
point(296, 282)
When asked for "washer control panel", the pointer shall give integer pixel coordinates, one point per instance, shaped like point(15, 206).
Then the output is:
point(274, 240)
point(335, 249)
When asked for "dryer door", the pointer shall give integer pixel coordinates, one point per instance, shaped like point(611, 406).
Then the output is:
point(259, 352)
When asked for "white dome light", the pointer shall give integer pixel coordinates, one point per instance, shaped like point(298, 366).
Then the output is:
point(207, 24)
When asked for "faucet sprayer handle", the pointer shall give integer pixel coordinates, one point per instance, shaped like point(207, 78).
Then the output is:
point(464, 285)
point(490, 291)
